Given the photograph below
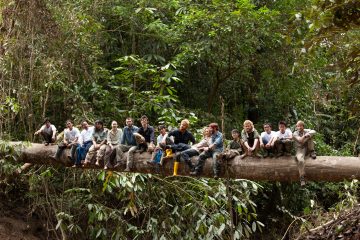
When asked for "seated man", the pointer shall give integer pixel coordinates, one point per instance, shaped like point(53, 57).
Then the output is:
point(147, 132)
point(127, 144)
point(304, 145)
point(85, 141)
point(99, 137)
point(283, 140)
point(213, 150)
point(234, 147)
point(113, 140)
point(250, 140)
point(267, 140)
point(196, 149)
point(181, 136)
point(47, 131)
point(71, 136)
point(158, 151)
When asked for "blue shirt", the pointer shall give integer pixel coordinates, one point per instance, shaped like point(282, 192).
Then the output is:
point(128, 136)
point(217, 140)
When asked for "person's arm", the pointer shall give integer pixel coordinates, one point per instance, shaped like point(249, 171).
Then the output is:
point(122, 141)
point(53, 131)
point(39, 131)
point(217, 142)
point(261, 141)
point(192, 139)
point(255, 144)
point(65, 141)
point(290, 134)
point(310, 133)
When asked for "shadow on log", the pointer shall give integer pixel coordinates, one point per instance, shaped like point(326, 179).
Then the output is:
point(324, 168)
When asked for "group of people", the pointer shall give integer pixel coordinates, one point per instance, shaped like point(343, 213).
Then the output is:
point(113, 147)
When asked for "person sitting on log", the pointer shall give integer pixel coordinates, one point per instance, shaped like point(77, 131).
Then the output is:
point(127, 144)
point(157, 154)
point(181, 139)
point(71, 137)
point(234, 147)
point(196, 149)
point(304, 145)
point(212, 151)
point(47, 131)
point(267, 139)
point(147, 132)
point(99, 137)
point(113, 140)
point(250, 140)
point(283, 140)
point(85, 141)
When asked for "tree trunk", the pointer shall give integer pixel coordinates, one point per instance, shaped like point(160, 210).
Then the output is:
point(324, 168)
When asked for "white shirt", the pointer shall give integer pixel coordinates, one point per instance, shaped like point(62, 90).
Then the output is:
point(48, 129)
point(86, 135)
point(70, 135)
point(286, 134)
point(266, 136)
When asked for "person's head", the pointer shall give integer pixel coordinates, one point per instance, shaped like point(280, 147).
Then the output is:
point(235, 134)
point(85, 125)
point(207, 131)
point(282, 126)
point(300, 125)
point(114, 125)
point(129, 121)
point(267, 127)
point(162, 129)
point(248, 126)
point(47, 122)
point(69, 124)
point(144, 121)
point(214, 127)
point(99, 124)
point(184, 125)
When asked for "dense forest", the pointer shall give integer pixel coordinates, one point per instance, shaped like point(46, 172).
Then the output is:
point(269, 60)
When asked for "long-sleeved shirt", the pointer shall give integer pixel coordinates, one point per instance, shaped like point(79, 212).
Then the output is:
point(205, 142)
point(128, 136)
point(180, 137)
point(217, 140)
point(114, 138)
point(297, 134)
point(147, 133)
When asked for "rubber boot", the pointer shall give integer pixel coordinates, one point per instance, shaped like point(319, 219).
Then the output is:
point(168, 152)
point(176, 167)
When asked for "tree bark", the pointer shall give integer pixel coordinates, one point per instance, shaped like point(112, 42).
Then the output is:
point(323, 168)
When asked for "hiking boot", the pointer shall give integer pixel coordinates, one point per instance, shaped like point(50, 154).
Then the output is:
point(46, 143)
point(151, 162)
point(216, 177)
point(194, 173)
point(313, 155)
point(127, 169)
point(258, 155)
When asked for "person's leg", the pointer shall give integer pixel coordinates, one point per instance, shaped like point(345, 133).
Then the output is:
point(130, 158)
point(279, 148)
point(90, 154)
point(73, 152)
point(100, 155)
point(201, 161)
point(216, 165)
point(46, 136)
point(120, 150)
point(300, 158)
point(288, 146)
point(108, 152)
point(187, 155)
point(311, 148)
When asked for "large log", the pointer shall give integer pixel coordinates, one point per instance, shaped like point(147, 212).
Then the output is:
point(323, 168)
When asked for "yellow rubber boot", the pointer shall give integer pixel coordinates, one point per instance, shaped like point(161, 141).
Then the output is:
point(168, 152)
point(176, 167)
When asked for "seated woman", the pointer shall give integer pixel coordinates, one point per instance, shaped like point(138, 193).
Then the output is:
point(196, 149)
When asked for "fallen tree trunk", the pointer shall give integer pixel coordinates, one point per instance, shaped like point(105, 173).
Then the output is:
point(324, 168)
